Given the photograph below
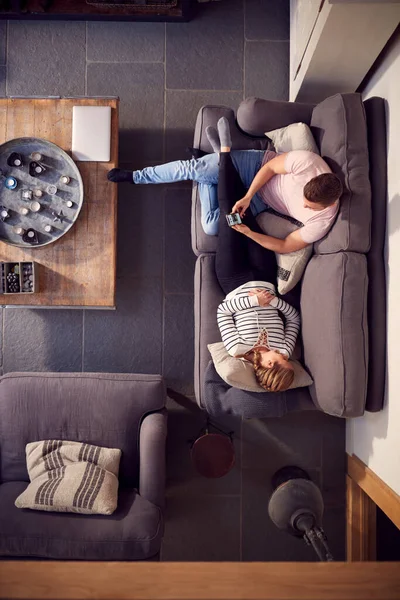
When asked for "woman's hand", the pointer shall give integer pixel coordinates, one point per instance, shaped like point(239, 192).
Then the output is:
point(242, 228)
point(241, 206)
point(264, 297)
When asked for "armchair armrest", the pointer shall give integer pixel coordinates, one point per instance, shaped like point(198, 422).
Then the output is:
point(255, 116)
point(153, 435)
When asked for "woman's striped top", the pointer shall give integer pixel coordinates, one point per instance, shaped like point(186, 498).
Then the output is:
point(241, 321)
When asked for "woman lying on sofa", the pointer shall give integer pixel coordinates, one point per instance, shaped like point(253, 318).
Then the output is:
point(248, 319)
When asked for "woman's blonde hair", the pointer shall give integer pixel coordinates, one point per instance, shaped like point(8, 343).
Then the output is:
point(274, 379)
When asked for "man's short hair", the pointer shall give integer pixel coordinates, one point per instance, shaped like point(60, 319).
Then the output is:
point(324, 189)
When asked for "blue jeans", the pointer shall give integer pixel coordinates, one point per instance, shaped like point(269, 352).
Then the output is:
point(205, 172)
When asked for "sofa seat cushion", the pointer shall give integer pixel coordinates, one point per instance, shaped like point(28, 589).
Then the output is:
point(240, 373)
point(133, 532)
point(339, 128)
point(335, 331)
point(209, 115)
point(207, 297)
point(221, 399)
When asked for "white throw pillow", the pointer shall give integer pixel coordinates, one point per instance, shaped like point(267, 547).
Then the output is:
point(71, 477)
point(296, 136)
point(291, 266)
point(240, 373)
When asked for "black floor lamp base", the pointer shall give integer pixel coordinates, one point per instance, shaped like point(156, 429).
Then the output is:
point(296, 506)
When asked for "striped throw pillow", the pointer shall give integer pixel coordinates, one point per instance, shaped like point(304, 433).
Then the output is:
point(291, 266)
point(71, 477)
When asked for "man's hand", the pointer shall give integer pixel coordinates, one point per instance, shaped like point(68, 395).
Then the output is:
point(242, 228)
point(264, 297)
point(241, 206)
point(291, 243)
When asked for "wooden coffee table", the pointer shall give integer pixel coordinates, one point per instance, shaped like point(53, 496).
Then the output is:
point(78, 270)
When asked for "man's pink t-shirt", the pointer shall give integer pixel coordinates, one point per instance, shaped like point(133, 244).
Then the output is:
point(284, 193)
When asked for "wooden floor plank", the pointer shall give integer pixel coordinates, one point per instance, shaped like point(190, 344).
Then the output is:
point(198, 581)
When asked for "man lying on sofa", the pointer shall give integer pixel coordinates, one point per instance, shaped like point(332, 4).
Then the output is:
point(298, 184)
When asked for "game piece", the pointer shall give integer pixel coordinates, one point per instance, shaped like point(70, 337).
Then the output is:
point(10, 183)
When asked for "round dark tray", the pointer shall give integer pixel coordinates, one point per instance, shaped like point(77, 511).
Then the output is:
point(56, 163)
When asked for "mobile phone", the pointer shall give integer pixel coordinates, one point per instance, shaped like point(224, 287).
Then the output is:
point(233, 219)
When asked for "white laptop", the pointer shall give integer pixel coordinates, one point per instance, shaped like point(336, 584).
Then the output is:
point(91, 133)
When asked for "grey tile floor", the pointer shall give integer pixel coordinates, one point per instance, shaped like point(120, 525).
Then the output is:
point(163, 74)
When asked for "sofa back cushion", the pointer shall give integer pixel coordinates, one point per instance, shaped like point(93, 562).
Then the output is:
point(97, 408)
point(339, 128)
point(335, 331)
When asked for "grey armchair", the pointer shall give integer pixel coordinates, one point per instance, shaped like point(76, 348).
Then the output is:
point(123, 411)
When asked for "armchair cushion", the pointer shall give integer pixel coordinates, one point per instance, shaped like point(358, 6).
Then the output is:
point(132, 532)
point(102, 409)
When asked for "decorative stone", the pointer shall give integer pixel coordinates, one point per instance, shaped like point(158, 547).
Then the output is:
point(65, 179)
point(58, 217)
point(36, 169)
point(4, 213)
point(30, 237)
point(14, 160)
point(35, 206)
point(51, 190)
point(23, 211)
point(26, 194)
point(37, 193)
point(10, 183)
point(36, 156)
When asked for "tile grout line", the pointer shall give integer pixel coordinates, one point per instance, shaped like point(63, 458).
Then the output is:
point(86, 54)
point(163, 206)
point(126, 62)
point(244, 51)
point(261, 41)
point(241, 494)
point(83, 340)
point(241, 421)
point(196, 90)
point(3, 319)
point(184, 294)
point(6, 57)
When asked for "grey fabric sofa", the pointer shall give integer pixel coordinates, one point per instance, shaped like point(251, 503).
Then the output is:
point(114, 410)
point(342, 296)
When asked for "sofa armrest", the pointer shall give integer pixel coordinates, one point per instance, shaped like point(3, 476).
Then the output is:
point(153, 435)
point(255, 116)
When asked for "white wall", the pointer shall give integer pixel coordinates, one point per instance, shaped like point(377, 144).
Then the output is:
point(375, 437)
